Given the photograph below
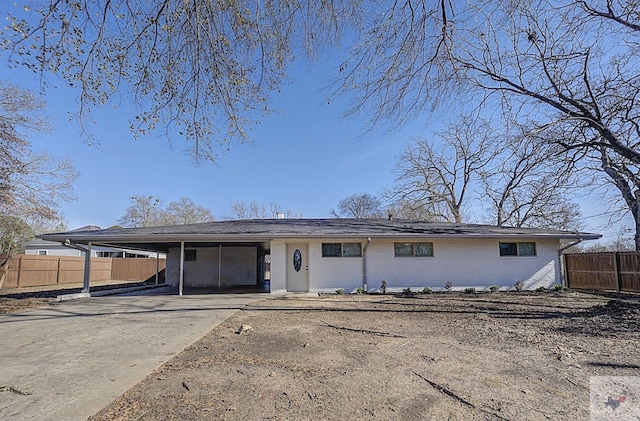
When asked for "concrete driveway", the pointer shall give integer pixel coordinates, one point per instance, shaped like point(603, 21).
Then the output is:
point(77, 356)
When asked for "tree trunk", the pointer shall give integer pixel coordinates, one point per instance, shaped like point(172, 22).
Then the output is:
point(4, 268)
point(636, 236)
point(631, 197)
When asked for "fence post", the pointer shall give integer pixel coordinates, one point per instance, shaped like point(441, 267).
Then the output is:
point(19, 271)
point(618, 274)
point(58, 272)
point(565, 272)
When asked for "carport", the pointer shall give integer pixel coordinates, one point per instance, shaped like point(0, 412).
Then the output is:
point(195, 260)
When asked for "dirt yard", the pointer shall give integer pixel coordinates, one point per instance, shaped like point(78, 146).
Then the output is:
point(500, 356)
point(17, 299)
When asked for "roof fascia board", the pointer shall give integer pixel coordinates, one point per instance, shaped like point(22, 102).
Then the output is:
point(250, 237)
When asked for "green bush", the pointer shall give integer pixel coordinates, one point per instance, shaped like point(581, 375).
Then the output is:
point(494, 288)
point(558, 287)
point(360, 291)
point(407, 291)
point(469, 290)
point(426, 290)
point(340, 291)
point(541, 289)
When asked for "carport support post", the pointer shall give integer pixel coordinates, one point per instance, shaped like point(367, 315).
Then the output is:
point(87, 269)
point(181, 283)
point(157, 266)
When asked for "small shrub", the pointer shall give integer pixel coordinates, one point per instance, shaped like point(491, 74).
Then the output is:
point(448, 286)
point(494, 288)
point(383, 287)
point(407, 291)
point(469, 290)
point(541, 289)
point(340, 291)
point(426, 290)
point(360, 291)
point(519, 286)
point(558, 287)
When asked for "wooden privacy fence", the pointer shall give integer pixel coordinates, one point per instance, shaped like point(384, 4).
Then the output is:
point(31, 270)
point(615, 271)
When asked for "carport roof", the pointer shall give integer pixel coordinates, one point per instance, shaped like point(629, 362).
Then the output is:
point(261, 230)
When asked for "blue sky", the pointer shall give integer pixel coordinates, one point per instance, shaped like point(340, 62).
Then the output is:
point(306, 157)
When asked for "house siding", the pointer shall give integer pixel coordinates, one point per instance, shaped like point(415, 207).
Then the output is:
point(62, 251)
point(279, 266)
point(327, 274)
point(467, 263)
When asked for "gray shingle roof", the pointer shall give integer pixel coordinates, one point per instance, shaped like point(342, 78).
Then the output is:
point(266, 229)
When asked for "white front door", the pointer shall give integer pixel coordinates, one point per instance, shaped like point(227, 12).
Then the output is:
point(297, 267)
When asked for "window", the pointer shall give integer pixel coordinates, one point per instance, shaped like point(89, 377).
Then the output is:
point(518, 249)
point(331, 250)
point(526, 249)
point(413, 249)
point(116, 254)
point(42, 252)
point(190, 255)
point(351, 250)
point(341, 250)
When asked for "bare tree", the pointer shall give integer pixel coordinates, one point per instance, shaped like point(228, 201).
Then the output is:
point(437, 175)
point(528, 185)
point(252, 210)
point(256, 210)
point(148, 211)
point(202, 69)
point(567, 68)
point(144, 211)
point(32, 184)
point(185, 211)
point(360, 206)
point(409, 210)
point(14, 233)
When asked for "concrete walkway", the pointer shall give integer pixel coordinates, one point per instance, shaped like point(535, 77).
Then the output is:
point(77, 356)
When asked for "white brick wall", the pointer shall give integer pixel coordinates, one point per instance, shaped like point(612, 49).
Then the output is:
point(465, 262)
point(278, 266)
point(330, 273)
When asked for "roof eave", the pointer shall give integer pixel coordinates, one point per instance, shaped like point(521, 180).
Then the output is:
point(246, 237)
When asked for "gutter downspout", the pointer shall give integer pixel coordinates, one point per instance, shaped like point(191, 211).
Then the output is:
point(563, 274)
point(364, 264)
